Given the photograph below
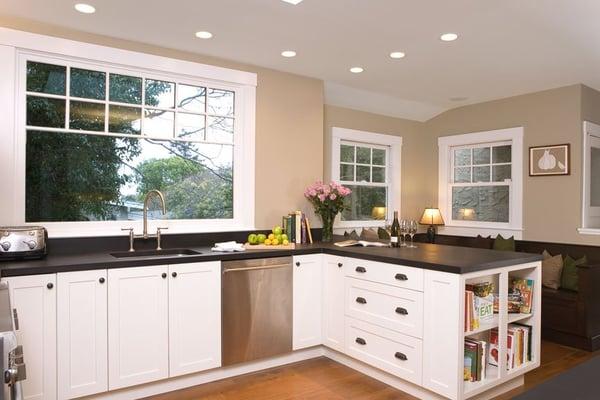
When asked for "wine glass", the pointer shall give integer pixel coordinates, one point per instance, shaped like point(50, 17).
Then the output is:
point(403, 232)
point(412, 229)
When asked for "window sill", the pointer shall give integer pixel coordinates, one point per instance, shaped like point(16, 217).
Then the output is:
point(588, 231)
point(480, 230)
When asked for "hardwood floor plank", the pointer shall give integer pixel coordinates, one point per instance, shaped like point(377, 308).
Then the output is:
point(324, 379)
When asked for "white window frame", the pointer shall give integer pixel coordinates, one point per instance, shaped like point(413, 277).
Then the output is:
point(587, 211)
point(15, 46)
point(393, 169)
point(446, 144)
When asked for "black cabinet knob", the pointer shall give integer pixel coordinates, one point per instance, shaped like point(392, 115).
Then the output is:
point(361, 269)
point(101, 280)
point(340, 265)
point(361, 300)
point(361, 341)
point(297, 263)
point(174, 274)
point(400, 356)
point(164, 275)
point(401, 310)
point(401, 277)
point(50, 285)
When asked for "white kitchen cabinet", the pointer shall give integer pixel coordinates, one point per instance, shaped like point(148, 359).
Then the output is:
point(333, 302)
point(82, 340)
point(194, 317)
point(34, 298)
point(138, 325)
point(307, 301)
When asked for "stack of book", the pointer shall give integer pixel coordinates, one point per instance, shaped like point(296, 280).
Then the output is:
point(475, 360)
point(520, 295)
point(479, 304)
point(297, 228)
point(518, 346)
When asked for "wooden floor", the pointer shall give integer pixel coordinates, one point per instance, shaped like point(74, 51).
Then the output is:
point(323, 379)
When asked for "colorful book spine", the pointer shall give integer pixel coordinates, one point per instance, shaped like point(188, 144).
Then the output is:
point(303, 234)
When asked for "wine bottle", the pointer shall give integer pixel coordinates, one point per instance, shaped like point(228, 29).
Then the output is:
point(395, 231)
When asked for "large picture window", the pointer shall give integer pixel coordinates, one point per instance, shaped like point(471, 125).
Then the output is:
point(98, 140)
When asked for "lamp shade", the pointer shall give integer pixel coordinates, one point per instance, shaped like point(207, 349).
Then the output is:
point(432, 216)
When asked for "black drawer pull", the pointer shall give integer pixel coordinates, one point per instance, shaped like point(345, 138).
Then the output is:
point(361, 300)
point(297, 263)
point(361, 341)
point(401, 277)
point(50, 285)
point(361, 269)
point(164, 275)
point(340, 265)
point(401, 310)
point(101, 280)
point(400, 356)
point(174, 274)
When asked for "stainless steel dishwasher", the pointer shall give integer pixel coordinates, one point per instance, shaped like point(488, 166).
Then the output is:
point(256, 317)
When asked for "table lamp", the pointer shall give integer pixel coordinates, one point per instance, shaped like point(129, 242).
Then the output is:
point(433, 218)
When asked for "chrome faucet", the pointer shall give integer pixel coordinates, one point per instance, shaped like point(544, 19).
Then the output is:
point(146, 201)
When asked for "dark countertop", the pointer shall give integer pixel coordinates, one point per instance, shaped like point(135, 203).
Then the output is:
point(453, 259)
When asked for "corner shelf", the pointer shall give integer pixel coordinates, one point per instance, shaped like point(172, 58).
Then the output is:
point(518, 317)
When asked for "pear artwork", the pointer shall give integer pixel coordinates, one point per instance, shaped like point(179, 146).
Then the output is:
point(548, 162)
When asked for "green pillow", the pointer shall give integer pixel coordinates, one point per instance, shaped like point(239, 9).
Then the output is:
point(504, 244)
point(569, 279)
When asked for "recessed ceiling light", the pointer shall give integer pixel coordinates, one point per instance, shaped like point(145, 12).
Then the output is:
point(204, 35)
point(449, 37)
point(85, 8)
point(397, 54)
point(356, 70)
point(294, 2)
point(288, 53)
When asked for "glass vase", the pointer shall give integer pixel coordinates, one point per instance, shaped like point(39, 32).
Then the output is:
point(327, 219)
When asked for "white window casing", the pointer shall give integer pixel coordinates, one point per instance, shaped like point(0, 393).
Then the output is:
point(590, 215)
point(446, 144)
point(393, 145)
point(17, 47)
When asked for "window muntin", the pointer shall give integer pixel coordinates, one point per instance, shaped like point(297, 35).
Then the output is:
point(146, 139)
point(480, 187)
point(364, 169)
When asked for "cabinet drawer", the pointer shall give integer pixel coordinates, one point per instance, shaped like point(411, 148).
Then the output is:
point(398, 354)
point(387, 306)
point(390, 274)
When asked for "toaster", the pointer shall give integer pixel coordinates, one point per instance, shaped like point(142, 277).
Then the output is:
point(22, 242)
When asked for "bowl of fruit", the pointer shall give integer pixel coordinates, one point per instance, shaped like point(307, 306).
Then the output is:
point(275, 239)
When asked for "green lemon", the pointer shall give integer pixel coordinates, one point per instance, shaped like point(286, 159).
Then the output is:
point(277, 230)
point(252, 238)
point(261, 238)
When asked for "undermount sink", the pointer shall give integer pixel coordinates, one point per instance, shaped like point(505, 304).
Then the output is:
point(155, 253)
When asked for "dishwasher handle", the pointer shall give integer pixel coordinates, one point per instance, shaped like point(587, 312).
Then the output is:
point(226, 270)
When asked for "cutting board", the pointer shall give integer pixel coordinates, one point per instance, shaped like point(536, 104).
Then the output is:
point(249, 246)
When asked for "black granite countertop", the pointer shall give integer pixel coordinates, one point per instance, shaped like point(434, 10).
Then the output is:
point(453, 259)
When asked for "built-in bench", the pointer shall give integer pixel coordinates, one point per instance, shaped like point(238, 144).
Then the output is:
point(568, 317)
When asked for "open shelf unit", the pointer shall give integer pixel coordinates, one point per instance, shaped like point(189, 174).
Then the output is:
point(501, 278)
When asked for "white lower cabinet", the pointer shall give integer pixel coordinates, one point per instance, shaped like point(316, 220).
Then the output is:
point(34, 298)
point(333, 302)
point(194, 317)
point(138, 325)
point(307, 301)
point(82, 362)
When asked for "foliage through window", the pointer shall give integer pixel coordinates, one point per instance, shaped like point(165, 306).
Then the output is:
point(99, 139)
point(481, 182)
point(364, 169)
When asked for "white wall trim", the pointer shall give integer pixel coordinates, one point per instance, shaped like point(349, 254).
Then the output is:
point(588, 212)
point(394, 169)
point(17, 46)
point(473, 228)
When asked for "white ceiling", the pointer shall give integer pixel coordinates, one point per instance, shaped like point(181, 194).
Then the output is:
point(505, 48)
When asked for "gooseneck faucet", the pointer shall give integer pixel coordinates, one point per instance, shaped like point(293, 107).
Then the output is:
point(149, 195)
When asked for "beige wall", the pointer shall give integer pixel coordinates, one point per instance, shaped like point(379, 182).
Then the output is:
point(551, 205)
point(415, 191)
point(289, 123)
point(590, 105)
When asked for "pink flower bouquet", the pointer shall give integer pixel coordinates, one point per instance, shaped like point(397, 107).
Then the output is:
point(328, 201)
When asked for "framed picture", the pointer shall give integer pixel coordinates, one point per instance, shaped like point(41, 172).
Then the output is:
point(550, 160)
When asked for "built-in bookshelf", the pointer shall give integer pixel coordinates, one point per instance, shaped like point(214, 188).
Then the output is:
point(519, 326)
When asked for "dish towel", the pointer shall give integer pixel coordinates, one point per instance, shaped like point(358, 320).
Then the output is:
point(228, 247)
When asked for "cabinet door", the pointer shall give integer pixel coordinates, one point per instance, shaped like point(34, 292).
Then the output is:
point(194, 317)
point(307, 305)
point(34, 297)
point(333, 302)
point(138, 326)
point(82, 338)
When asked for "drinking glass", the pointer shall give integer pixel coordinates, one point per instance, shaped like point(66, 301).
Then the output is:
point(412, 229)
point(403, 232)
